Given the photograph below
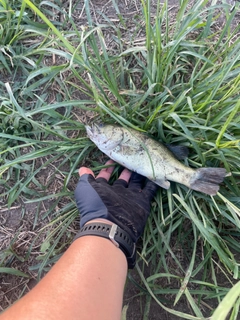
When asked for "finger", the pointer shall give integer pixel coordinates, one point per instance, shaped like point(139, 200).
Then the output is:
point(136, 181)
point(121, 183)
point(84, 170)
point(151, 189)
point(105, 173)
point(125, 175)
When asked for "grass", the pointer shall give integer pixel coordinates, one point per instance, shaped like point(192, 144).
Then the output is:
point(180, 82)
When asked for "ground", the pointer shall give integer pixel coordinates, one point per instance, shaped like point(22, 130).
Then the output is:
point(19, 225)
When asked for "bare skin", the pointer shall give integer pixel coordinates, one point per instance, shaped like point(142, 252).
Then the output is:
point(86, 283)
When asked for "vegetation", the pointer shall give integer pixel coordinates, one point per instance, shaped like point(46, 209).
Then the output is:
point(179, 81)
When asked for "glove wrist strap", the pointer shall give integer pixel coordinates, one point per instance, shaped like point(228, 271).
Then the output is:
point(115, 234)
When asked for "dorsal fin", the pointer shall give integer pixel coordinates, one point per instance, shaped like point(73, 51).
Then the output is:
point(180, 152)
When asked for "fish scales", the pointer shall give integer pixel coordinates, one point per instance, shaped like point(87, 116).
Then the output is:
point(150, 158)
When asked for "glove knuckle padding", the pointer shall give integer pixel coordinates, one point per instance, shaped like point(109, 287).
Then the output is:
point(120, 183)
point(150, 189)
point(101, 180)
point(136, 181)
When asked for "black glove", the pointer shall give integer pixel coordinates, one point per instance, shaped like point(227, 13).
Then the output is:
point(125, 204)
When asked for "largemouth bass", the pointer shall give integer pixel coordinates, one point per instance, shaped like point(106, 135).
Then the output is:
point(148, 157)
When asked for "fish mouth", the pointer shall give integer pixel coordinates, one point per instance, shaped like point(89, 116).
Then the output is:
point(93, 130)
point(89, 131)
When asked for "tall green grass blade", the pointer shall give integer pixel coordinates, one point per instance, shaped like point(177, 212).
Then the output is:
point(193, 304)
point(13, 271)
point(176, 313)
point(235, 110)
point(210, 235)
point(54, 29)
point(227, 303)
point(188, 275)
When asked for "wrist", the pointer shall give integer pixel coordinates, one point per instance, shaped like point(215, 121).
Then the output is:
point(100, 220)
point(120, 238)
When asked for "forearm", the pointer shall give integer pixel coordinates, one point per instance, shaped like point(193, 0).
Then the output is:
point(86, 283)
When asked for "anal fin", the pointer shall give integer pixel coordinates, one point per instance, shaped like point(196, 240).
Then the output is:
point(162, 183)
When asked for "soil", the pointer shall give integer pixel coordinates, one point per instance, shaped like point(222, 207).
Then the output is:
point(19, 226)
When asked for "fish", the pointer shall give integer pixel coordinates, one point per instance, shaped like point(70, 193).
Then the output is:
point(140, 153)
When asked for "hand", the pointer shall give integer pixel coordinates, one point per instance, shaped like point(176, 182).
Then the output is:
point(126, 203)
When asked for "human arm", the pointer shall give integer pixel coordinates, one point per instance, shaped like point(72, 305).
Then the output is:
point(88, 281)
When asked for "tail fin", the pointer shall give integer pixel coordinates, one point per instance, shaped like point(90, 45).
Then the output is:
point(207, 180)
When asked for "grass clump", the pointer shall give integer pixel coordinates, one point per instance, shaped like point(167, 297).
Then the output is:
point(180, 82)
